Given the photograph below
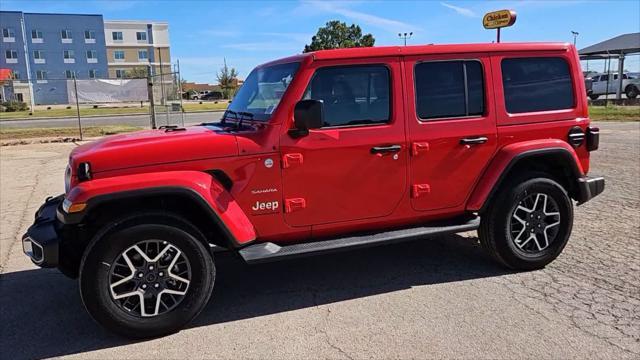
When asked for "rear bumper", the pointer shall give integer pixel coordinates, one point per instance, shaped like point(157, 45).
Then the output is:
point(41, 241)
point(589, 187)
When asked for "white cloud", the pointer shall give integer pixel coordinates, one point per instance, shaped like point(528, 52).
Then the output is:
point(299, 37)
point(220, 33)
point(364, 18)
point(264, 46)
point(460, 10)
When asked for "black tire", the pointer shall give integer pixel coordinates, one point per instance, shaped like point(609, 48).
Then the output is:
point(594, 97)
point(497, 232)
point(631, 92)
point(108, 246)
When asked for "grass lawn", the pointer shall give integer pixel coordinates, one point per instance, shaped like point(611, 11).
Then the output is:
point(92, 131)
point(188, 107)
point(612, 112)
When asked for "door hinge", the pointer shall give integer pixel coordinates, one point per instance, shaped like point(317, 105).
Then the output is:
point(294, 204)
point(420, 189)
point(416, 147)
point(289, 159)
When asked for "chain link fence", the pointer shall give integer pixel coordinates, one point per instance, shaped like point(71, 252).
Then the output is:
point(142, 102)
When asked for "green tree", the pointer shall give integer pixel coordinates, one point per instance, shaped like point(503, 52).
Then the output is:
point(136, 72)
point(228, 80)
point(336, 34)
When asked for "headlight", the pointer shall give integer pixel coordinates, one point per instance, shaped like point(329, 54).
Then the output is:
point(67, 179)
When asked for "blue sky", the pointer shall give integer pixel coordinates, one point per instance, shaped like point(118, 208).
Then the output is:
point(248, 33)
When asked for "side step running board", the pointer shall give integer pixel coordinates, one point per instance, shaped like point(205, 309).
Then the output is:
point(265, 252)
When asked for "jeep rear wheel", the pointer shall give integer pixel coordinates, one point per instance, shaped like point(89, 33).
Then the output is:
point(528, 224)
point(147, 277)
point(631, 92)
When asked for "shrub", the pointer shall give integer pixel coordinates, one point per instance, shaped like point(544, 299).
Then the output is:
point(95, 106)
point(68, 107)
point(14, 105)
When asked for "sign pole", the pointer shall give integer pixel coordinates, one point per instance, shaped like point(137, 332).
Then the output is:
point(498, 35)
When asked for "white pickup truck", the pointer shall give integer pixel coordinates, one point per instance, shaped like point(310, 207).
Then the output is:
point(599, 86)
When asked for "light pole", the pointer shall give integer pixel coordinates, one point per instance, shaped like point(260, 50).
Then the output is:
point(405, 36)
point(575, 35)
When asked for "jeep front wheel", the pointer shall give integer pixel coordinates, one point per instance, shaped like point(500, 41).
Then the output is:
point(528, 224)
point(148, 277)
point(631, 92)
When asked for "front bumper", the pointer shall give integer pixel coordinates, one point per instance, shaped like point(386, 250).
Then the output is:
point(41, 242)
point(589, 187)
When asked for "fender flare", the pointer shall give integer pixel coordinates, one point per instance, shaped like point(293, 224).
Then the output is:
point(202, 188)
point(507, 157)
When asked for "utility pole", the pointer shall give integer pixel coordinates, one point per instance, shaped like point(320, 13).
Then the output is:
point(405, 36)
point(575, 36)
point(152, 106)
point(32, 101)
point(75, 87)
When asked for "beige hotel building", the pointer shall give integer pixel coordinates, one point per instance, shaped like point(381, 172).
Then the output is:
point(136, 43)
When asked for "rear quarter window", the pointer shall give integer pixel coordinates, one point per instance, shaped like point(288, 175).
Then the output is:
point(537, 84)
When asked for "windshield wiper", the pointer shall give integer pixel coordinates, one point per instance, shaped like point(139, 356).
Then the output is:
point(224, 117)
point(244, 114)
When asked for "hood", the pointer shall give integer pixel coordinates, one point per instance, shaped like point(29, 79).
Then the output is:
point(154, 147)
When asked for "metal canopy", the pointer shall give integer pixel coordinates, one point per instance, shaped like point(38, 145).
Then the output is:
point(623, 44)
point(616, 48)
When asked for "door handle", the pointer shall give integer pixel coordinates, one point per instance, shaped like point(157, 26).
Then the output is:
point(474, 141)
point(385, 149)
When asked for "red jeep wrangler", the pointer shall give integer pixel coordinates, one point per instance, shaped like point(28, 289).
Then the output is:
point(327, 151)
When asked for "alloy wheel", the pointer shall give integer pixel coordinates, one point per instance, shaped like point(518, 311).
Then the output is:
point(149, 278)
point(534, 223)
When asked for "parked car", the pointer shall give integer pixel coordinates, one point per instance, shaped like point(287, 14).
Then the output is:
point(608, 84)
point(200, 95)
point(213, 95)
point(321, 152)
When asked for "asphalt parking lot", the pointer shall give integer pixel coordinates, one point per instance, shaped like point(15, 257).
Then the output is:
point(427, 299)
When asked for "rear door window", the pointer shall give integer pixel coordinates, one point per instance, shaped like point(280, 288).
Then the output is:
point(537, 84)
point(446, 89)
point(352, 95)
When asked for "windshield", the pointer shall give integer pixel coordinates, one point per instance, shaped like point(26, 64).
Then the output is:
point(262, 91)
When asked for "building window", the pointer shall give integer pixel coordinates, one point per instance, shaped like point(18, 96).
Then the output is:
point(141, 36)
point(93, 73)
point(11, 54)
point(449, 89)
point(120, 73)
point(38, 57)
point(352, 95)
point(41, 75)
point(36, 36)
point(116, 35)
point(69, 57)
point(90, 34)
point(8, 34)
point(66, 36)
point(118, 55)
point(143, 55)
point(537, 84)
point(92, 56)
point(69, 74)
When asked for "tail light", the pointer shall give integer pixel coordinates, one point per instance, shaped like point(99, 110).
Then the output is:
point(593, 138)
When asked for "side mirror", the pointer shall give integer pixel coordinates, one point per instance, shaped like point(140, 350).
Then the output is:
point(308, 114)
